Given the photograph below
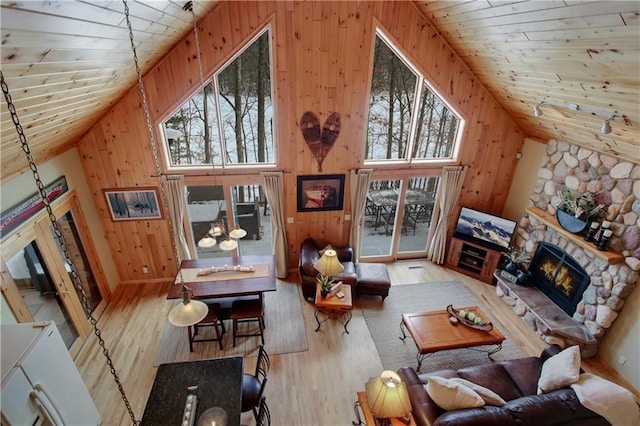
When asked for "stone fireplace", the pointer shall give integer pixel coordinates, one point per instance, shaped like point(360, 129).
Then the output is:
point(582, 314)
point(559, 276)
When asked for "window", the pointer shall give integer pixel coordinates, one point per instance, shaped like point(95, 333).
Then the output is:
point(228, 122)
point(407, 119)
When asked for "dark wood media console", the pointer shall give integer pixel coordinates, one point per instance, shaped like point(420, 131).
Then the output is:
point(472, 259)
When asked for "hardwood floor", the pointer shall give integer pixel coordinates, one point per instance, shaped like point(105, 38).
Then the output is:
point(316, 387)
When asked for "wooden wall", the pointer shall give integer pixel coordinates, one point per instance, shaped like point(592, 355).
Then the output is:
point(322, 54)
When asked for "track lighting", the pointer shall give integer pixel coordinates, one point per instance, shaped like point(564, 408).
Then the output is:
point(536, 110)
point(606, 124)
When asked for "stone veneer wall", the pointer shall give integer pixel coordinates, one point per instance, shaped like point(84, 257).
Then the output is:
point(618, 183)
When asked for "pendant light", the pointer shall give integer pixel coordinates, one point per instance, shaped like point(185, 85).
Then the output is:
point(229, 244)
point(187, 312)
point(237, 233)
point(229, 241)
point(209, 240)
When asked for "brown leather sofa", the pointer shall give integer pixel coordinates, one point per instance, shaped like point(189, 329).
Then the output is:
point(516, 382)
point(309, 254)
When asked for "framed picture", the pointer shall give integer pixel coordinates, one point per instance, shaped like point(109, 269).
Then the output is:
point(133, 204)
point(320, 192)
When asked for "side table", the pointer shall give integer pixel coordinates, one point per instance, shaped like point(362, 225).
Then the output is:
point(369, 419)
point(333, 307)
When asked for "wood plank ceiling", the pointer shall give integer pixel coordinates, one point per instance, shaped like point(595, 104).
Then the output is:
point(67, 62)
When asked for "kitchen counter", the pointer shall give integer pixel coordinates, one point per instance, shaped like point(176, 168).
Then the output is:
point(219, 384)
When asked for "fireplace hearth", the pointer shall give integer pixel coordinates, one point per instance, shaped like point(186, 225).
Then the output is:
point(559, 276)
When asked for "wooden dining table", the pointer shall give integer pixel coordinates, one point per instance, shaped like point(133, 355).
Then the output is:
point(225, 283)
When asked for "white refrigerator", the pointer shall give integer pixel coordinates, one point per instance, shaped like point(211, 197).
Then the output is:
point(40, 383)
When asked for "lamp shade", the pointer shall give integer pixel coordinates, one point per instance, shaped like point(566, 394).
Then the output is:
point(215, 416)
point(188, 312)
point(237, 233)
point(328, 264)
point(228, 244)
point(388, 396)
point(207, 242)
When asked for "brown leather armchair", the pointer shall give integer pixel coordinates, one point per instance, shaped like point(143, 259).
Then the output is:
point(309, 254)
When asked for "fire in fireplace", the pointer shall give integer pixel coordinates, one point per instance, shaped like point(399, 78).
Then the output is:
point(559, 276)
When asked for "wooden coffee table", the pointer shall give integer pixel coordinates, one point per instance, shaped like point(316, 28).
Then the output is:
point(433, 332)
point(334, 307)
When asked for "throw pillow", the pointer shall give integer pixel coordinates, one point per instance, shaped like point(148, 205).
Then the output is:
point(489, 396)
point(450, 395)
point(328, 247)
point(560, 370)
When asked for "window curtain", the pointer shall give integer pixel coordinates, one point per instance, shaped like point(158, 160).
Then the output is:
point(175, 191)
point(359, 187)
point(451, 184)
point(273, 183)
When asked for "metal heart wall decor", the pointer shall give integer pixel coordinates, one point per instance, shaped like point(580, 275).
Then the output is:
point(320, 142)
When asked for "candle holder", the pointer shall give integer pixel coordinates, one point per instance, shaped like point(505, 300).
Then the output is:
point(604, 239)
point(603, 228)
point(590, 237)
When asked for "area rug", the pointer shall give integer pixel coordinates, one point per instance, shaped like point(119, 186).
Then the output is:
point(383, 321)
point(284, 333)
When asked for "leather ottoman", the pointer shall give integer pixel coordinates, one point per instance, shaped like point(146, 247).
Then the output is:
point(373, 279)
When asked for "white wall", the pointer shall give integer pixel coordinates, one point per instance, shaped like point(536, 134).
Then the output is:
point(68, 164)
point(623, 338)
point(6, 316)
point(524, 179)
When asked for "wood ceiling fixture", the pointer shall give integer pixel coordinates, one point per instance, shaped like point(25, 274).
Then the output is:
point(68, 62)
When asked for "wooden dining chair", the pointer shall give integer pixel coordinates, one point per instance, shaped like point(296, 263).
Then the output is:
point(213, 319)
point(247, 311)
point(253, 384)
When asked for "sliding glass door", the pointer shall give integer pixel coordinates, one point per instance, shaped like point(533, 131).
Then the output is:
point(36, 278)
point(398, 218)
point(208, 210)
point(43, 299)
point(419, 202)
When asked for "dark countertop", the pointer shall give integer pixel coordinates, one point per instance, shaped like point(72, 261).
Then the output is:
point(219, 384)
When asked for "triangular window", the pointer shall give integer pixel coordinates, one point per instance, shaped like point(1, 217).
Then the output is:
point(408, 121)
point(229, 121)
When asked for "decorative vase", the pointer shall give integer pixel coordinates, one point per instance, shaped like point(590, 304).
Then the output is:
point(570, 222)
point(324, 292)
point(523, 278)
point(511, 267)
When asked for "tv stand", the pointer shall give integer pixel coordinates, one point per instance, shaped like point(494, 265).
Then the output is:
point(473, 259)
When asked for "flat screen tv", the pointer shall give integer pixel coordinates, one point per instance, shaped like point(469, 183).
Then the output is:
point(485, 229)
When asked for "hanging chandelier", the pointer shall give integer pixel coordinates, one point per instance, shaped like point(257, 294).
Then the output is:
point(219, 230)
point(187, 312)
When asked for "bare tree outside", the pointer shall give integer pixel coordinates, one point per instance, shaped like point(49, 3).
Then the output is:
point(228, 121)
point(394, 89)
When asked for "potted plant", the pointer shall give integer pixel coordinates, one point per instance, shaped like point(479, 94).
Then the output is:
point(576, 211)
point(515, 257)
point(325, 283)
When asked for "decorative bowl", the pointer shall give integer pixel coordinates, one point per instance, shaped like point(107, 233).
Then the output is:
point(570, 222)
point(484, 327)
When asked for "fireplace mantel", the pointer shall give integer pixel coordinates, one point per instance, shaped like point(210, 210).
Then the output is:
point(609, 256)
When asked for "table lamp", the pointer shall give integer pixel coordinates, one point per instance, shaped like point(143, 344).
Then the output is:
point(388, 397)
point(329, 265)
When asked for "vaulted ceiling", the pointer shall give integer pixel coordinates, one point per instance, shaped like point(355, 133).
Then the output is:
point(67, 62)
